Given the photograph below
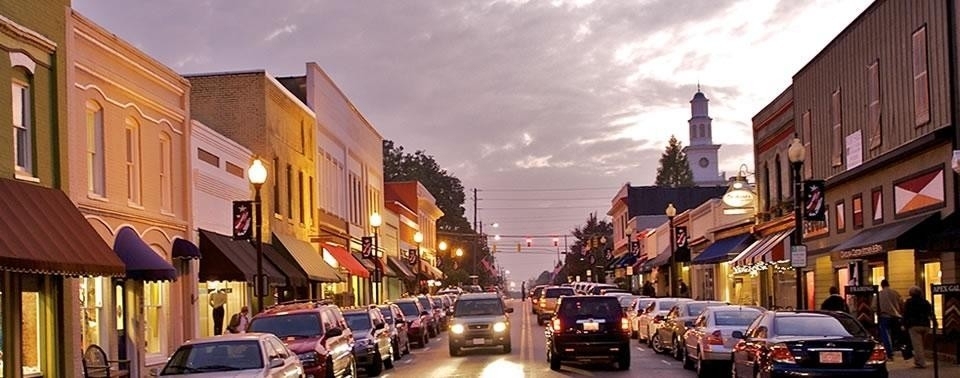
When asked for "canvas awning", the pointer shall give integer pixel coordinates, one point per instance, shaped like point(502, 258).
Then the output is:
point(307, 258)
point(724, 249)
point(226, 259)
point(346, 260)
point(141, 262)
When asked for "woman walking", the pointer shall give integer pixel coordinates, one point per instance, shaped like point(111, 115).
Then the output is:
point(917, 315)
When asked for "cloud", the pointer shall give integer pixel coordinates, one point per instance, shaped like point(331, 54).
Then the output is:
point(289, 29)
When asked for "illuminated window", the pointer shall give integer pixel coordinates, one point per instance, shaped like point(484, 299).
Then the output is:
point(91, 307)
point(155, 324)
point(841, 221)
point(32, 328)
point(857, 206)
point(166, 174)
point(22, 129)
point(132, 159)
point(932, 276)
point(96, 183)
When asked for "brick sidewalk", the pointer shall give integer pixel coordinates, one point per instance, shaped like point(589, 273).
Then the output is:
point(900, 368)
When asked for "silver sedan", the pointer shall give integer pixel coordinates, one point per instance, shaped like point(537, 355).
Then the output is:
point(709, 341)
point(253, 355)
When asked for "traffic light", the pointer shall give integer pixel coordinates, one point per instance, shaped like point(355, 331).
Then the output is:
point(518, 247)
point(556, 242)
point(529, 242)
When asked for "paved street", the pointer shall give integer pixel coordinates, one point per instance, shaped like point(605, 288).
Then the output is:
point(529, 359)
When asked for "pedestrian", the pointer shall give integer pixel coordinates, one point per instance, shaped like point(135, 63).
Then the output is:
point(218, 298)
point(523, 291)
point(888, 313)
point(684, 290)
point(239, 321)
point(835, 302)
point(917, 316)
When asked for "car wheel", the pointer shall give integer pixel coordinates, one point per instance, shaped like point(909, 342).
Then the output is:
point(376, 367)
point(539, 321)
point(701, 366)
point(388, 363)
point(554, 361)
point(634, 334)
point(507, 348)
point(623, 362)
point(656, 343)
point(687, 361)
point(454, 351)
point(678, 349)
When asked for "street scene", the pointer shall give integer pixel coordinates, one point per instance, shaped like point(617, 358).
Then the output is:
point(480, 188)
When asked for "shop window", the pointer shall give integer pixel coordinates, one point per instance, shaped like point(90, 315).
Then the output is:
point(840, 215)
point(932, 276)
point(91, 307)
point(856, 205)
point(843, 279)
point(811, 287)
point(877, 274)
point(30, 325)
point(154, 317)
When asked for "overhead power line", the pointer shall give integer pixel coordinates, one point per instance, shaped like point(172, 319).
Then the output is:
point(547, 189)
point(540, 208)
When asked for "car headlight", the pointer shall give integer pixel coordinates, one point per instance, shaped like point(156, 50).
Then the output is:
point(456, 328)
point(499, 327)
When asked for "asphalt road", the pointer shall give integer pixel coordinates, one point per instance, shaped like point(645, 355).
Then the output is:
point(528, 358)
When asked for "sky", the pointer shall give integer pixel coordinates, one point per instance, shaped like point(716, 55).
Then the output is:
point(547, 107)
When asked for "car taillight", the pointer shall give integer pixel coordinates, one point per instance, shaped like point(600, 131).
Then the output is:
point(878, 356)
point(543, 302)
point(658, 318)
point(625, 324)
point(715, 338)
point(781, 353)
point(556, 325)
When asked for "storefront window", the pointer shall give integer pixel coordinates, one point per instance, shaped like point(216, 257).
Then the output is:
point(843, 279)
point(153, 294)
point(30, 327)
point(877, 274)
point(91, 307)
point(931, 276)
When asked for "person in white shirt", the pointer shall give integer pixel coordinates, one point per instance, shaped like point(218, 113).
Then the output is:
point(239, 321)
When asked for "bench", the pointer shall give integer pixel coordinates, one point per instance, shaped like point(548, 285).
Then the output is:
point(96, 364)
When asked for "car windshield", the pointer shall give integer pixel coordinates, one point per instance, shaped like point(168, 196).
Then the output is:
point(626, 300)
point(822, 326)
point(358, 321)
point(425, 303)
point(558, 291)
point(583, 308)
point(665, 305)
point(735, 318)
point(437, 301)
point(387, 315)
point(478, 307)
point(695, 309)
point(290, 325)
point(409, 308)
point(215, 357)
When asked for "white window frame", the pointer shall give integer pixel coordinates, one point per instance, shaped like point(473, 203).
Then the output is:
point(96, 181)
point(21, 107)
point(132, 161)
point(166, 174)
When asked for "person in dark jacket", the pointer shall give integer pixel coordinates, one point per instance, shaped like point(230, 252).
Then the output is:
point(835, 302)
point(917, 315)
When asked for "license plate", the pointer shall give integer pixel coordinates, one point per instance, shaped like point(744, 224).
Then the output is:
point(479, 341)
point(831, 357)
point(591, 326)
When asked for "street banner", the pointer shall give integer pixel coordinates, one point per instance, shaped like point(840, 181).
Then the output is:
point(366, 247)
point(439, 262)
point(814, 202)
point(635, 248)
point(242, 220)
point(682, 238)
point(862, 307)
point(413, 257)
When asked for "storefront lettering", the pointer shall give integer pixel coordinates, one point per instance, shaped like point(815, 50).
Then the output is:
point(869, 289)
point(945, 289)
point(862, 251)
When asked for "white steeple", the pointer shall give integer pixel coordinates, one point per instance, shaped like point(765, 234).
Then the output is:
point(701, 152)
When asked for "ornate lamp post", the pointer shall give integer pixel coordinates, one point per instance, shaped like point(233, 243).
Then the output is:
point(257, 174)
point(418, 238)
point(796, 153)
point(672, 212)
point(375, 222)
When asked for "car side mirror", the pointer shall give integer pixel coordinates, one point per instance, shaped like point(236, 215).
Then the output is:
point(509, 310)
point(425, 313)
point(737, 335)
point(276, 362)
point(334, 332)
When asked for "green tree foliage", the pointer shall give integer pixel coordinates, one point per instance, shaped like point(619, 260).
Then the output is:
point(674, 168)
point(593, 238)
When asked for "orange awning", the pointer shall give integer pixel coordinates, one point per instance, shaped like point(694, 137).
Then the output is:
point(346, 260)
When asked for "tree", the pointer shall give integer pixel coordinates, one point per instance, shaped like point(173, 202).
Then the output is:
point(674, 168)
point(594, 238)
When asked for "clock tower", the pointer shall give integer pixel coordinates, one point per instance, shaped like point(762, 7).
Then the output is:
point(701, 152)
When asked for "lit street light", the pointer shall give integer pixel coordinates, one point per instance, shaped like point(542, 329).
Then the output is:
point(671, 212)
point(257, 174)
point(796, 153)
point(418, 238)
point(375, 222)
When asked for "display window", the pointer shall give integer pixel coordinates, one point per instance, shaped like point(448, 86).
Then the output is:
point(91, 311)
point(154, 314)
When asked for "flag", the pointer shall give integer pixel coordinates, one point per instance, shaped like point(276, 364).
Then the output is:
point(242, 220)
point(366, 247)
point(814, 203)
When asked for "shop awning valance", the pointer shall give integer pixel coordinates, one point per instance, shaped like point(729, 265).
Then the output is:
point(41, 231)
point(429, 271)
point(307, 258)
point(346, 260)
point(882, 238)
point(185, 249)
point(141, 261)
point(225, 259)
point(759, 250)
point(401, 267)
point(724, 249)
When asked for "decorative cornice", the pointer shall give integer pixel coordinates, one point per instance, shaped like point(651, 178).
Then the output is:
point(158, 121)
point(172, 224)
point(13, 29)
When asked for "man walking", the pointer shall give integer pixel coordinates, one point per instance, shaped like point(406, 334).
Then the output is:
point(888, 313)
point(917, 316)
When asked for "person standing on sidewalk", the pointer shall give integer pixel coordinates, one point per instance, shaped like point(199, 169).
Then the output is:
point(888, 313)
point(917, 315)
point(835, 302)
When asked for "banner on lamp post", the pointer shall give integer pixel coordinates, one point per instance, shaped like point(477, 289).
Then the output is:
point(814, 202)
point(366, 247)
point(412, 257)
point(242, 220)
point(682, 237)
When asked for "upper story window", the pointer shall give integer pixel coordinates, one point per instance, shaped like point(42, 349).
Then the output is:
point(807, 129)
point(276, 187)
point(22, 128)
point(166, 174)
point(301, 203)
point(836, 122)
point(132, 161)
point(873, 105)
point(921, 80)
point(96, 182)
point(289, 191)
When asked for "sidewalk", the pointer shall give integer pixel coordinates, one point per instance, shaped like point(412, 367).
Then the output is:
point(900, 368)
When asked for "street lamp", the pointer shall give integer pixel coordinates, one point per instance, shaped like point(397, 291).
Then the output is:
point(459, 252)
point(257, 174)
point(418, 238)
point(671, 212)
point(442, 246)
point(796, 153)
point(375, 222)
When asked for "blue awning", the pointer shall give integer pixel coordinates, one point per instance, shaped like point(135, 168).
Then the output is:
point(184, 249)
point(141, 262)
point(724, 249)
point(627, 260)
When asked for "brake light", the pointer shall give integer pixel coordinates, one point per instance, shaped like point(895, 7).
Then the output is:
point(878, 356)
point(658, 318)
point(782, 354)
point(715, 338)
point(625, 324)
point(556, 325)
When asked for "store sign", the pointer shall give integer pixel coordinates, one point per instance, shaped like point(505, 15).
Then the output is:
point(798, 256)
point(739, 201)
point(861, 252)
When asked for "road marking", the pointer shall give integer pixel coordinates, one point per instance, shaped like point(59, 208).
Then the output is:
point(641, 349)
point(666, 362)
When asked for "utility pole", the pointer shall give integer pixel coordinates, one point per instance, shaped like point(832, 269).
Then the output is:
point(476, 249)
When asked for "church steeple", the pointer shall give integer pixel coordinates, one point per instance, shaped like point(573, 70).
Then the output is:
point(701, 152)
point(700, 132)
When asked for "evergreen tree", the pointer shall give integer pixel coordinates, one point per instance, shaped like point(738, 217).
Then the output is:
point(578, 260)
point(674, 171)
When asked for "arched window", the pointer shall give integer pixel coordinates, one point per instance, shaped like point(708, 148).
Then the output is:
point(766, 187)
point(132, 161)
point(166, 174)
point(96, 182)
point(22, 127)
point(779, 173)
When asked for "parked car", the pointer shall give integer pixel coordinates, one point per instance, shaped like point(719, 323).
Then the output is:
point(669, 337)
point(316, 332)
point(652, 317)
point(709, 342)
point(440, 310)
point(433, 318)
point(597, 289)
point(588, 328)
point(535, 297)
point(625, 300)
point(614, 291)
point(397, 327)
point(808, 344)
point(447, 304)
point(417, 319)
point(373, 349)
point(547, 305)
point(637, 307)
point(479, 321)
point(260, 355)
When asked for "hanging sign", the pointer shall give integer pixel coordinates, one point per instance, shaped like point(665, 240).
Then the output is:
point(413, 258)
point(814, 202)
point(366, 247)
point(242, 220)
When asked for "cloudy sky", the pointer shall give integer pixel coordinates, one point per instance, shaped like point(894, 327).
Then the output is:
point(547, 107)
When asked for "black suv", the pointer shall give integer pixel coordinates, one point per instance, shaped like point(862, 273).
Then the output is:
point(373, 349)
point(589, 328)
point(316, 332)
